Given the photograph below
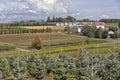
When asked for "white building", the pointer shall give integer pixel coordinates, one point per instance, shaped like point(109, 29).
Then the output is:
point(77, 29)
point(63, 24)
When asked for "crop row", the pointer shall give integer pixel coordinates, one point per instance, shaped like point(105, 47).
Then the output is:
point(21, 30)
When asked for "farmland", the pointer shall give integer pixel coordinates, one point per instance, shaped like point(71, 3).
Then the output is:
point(33, 63)
point(56, 42)
point(59, 40)
point(61, 56)
point(61, 67)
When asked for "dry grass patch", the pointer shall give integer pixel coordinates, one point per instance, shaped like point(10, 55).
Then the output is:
point(43, 27)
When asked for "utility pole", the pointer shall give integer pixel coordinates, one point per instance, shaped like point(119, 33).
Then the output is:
point(49, 43)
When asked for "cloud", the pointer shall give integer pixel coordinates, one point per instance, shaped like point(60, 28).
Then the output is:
point(41, 9)
point(2, 16)
point(105, 16)
point(48, 6)
point(24, 8)
point(2, 7)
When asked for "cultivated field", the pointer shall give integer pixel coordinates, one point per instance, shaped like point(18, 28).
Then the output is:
point(24, 40)
point(53, 45)
point(56, 42)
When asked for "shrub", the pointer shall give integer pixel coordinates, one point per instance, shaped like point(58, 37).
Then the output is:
point(88, 31)
point(6, 47)
point(37, 42)
point(98, 33)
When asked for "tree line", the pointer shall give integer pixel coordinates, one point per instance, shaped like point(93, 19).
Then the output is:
point(25, 23)
point(110, 20)
point(61, 19)
point(55, 19)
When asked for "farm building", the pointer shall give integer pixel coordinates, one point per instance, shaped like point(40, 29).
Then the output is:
point(99, 24)
point(77, 29)
point(110, 33)
point(71, 24)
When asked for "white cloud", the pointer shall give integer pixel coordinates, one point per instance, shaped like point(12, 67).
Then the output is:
point(41, 9)
point(18, 6)
point(105, 16)
point(2, 7)
point(35, 6)
point(49, 1)
point(2, 16)
point(29, 8)
point(32, 11)
point(47, 6)
point(89, 17)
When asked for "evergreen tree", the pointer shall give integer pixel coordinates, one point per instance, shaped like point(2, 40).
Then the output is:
point(48, 19)
point(111, 67)
point(4, 68)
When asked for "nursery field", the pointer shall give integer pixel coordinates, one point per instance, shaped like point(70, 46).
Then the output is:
point(24, 40)
point(61, 58)
point(53, 43)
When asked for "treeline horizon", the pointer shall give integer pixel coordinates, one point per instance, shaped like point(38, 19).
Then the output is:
point(55, 19)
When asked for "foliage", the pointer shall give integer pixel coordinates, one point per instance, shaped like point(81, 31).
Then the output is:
point(7, 47)
point(98, 33)
point(37, 42)
point(85, 20)
point(36, 67)
point(59, 71)
point(67, 29)
point(88, 31)
point(114, 29)
point(116, 35)
point(110, 20)
point(84, 67)
point(111, 67)
point(25, 23)
point(61, 19)
point(18, 68)
point(4, 68)
point(105, 34)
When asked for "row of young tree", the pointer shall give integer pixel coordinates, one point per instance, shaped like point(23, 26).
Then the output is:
point(83, 67)
point(22, 30)
point(93, 32)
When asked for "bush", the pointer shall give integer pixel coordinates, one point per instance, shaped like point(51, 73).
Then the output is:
point(6, 47)
point(88, 31)
point(37, 42)
point(116, 35)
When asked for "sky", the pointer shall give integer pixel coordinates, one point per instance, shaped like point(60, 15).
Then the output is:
point(17, 10)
